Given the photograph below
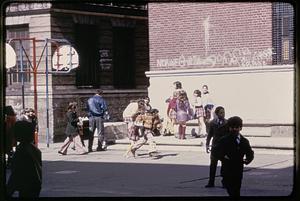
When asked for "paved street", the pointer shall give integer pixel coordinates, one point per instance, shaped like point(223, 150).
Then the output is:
point(176, 171)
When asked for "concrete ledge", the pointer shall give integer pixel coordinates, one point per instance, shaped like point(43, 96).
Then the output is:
point(114, 131)
point(284, 143)
point(117, 133)
point(255, 129)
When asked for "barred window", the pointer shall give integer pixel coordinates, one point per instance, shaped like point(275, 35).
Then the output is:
point(15, 74)
point(283, 33)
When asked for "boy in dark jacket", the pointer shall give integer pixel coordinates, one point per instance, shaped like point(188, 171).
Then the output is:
point(26, 166)
point(216, 130)
point(234, 151)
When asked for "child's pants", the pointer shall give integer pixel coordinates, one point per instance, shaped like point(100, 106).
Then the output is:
point(147, 136)
point(78, 144)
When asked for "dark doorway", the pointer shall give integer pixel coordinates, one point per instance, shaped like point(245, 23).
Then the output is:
point(88, 72)
point(123, 58)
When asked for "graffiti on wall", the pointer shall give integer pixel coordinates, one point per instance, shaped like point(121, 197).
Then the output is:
point(237, 57)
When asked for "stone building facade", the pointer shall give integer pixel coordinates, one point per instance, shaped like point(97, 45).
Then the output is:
point(112, 44)
point(242, 51)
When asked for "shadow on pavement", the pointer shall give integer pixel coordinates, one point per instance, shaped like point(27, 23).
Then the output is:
point(104, 179)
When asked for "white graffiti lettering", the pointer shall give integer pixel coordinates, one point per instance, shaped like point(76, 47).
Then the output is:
point(241, 57)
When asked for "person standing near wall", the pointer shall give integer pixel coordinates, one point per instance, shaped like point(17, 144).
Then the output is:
point(207, 104)
point(216, 130)
point(147, 103)
point(182, 113)
point(97, 109)
point(34, 120)
point(171, 124)
point(171, 114)
point(199, 113)
point(9, 122)
point(28, 114)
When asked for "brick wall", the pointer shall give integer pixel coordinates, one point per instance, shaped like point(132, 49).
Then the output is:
point(203, 35)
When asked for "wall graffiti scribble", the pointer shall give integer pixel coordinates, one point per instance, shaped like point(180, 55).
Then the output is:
point(238, 57)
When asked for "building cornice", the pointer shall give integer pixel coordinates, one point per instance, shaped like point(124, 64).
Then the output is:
point(23, 9)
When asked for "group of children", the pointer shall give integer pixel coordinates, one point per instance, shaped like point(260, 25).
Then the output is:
point(180, 110)
point(228, 145)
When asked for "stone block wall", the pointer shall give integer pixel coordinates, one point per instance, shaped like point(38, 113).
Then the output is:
point(117, 100)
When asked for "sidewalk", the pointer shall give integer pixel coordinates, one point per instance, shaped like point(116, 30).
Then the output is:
point(256, 142)
point(284, 143)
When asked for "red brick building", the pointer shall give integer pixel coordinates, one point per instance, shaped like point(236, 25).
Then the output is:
point(242, 51)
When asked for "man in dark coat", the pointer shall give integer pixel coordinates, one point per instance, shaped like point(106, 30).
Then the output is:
point(216, 130)
point(234, 151)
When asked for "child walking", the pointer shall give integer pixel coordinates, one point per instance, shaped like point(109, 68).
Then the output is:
point(216, 130)
point(234, 151)
point(130, 114)
point(150, 121)
point(72, 132)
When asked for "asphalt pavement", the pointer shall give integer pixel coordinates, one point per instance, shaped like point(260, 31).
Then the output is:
point(180, 169)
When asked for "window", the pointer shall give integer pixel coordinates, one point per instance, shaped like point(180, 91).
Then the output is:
point(88, 72)
point(283, 33)
point(123, 58)
point(15, 73)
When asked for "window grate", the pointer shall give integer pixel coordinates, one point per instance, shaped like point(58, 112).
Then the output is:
point(283, 33)
point(14, 74)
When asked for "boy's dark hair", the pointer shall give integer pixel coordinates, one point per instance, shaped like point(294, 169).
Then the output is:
point(99, 91)
point(234, 122)
point(178, 85)
point(217, 110)
point(24, 131)
point(141, 101)
point(153, 111)
point(198, 92)
point(71, 105)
